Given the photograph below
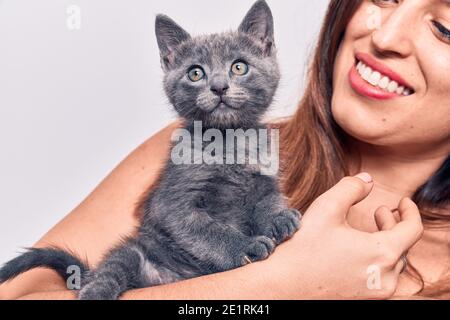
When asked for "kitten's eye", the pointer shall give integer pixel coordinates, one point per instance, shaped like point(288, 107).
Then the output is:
point(239, 68)
point(196, 74)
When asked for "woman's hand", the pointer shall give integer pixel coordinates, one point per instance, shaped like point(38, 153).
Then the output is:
point(329, 259)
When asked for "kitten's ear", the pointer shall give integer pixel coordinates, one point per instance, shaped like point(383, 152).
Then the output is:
point(258, 23)
point(169, 35)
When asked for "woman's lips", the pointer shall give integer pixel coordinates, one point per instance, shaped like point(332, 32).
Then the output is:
point(375, 65)
point(372, 79)
point(366, 89)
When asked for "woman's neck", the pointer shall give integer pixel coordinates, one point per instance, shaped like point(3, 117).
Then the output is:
point(399, 175)
point(396, 175)
point(397, 172)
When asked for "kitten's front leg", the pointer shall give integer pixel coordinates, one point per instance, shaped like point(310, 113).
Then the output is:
point(216, 246)
point(257, 249)
point(121, 271)
point(274, 220)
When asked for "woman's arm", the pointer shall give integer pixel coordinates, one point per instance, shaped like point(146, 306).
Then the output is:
point(250, 282)
point(325, 259)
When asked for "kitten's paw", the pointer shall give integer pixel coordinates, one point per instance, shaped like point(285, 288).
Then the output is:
point(259, 248)
point(99, 291)
point(285, 224)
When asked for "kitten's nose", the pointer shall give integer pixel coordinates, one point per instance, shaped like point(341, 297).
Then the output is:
point(220, 89)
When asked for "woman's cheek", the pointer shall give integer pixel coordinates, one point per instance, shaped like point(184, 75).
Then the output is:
point(367, 18)
point(432, 112)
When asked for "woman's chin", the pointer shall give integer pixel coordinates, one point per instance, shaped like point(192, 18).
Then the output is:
point(365, 125)
point(367, 131)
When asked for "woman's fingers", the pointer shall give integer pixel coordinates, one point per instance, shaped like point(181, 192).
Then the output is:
point(401, 265)
point(337, 201)
point(385, 219)
point(409, 230)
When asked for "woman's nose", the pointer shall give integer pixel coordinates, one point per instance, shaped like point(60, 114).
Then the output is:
point(396, 34)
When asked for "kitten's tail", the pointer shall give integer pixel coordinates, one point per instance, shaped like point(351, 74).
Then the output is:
point(52, 258)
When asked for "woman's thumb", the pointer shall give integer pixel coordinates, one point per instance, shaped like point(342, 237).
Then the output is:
point(348, 192)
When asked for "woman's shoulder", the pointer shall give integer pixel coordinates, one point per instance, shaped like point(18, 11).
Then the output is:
point(105, 217)
point(161, 139)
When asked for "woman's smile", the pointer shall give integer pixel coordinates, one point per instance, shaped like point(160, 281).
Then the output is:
point(373, 79)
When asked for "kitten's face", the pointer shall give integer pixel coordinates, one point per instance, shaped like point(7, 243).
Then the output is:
point(224, 80)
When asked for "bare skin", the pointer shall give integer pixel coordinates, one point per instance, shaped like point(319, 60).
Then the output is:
point(93, 227)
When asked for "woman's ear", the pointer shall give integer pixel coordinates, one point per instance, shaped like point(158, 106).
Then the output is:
point(258, 23)
point(169, 35)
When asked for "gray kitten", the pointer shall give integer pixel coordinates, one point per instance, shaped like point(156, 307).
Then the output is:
point(201, 219)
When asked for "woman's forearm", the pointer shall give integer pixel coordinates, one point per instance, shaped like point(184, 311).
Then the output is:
point(50, 295)
point(247, 283)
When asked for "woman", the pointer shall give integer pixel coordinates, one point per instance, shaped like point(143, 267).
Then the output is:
point(352, 241)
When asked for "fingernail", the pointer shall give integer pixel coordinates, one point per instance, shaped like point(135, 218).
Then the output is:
point(364, 176)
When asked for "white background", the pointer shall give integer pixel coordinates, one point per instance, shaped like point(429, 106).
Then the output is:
point(73, 104)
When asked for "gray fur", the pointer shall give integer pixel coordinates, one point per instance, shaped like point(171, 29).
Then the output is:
point(201, 218)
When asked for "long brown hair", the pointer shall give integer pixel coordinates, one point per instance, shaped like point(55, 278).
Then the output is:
point(314, 147)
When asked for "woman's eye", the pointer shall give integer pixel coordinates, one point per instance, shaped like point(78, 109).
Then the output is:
point(443, 31)
point(385, 2)
point(196, 74)
point(239, 68)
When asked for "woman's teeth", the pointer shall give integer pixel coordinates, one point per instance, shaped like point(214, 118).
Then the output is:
point(381, 81)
